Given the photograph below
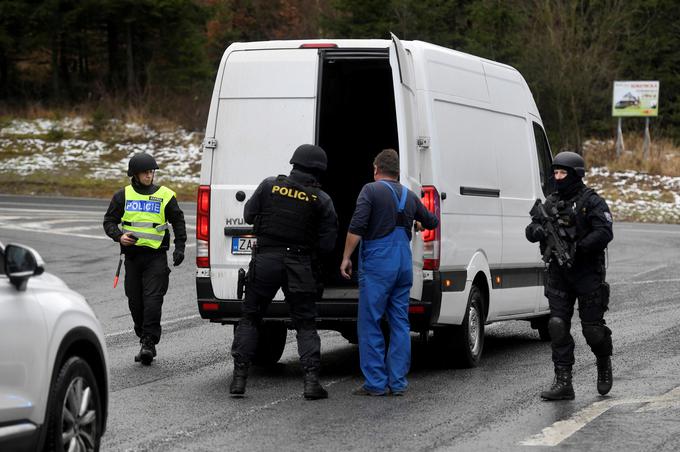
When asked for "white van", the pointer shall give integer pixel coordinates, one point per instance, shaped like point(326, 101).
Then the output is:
point(470, 139)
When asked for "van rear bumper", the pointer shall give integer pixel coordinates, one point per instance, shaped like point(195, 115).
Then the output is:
point(333, 314)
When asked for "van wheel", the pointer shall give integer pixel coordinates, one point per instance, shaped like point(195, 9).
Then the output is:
point(469, 337)
point(74, 411)
point(462, 345)
point(271, 340)
point(541, 324)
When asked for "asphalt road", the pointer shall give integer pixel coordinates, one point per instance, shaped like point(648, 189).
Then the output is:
point(181, 402)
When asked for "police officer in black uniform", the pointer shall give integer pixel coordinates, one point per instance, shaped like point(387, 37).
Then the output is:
point(587, 222)
point(294, 220)
point(146, 266)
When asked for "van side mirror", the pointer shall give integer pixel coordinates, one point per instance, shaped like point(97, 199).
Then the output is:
point(22, 262)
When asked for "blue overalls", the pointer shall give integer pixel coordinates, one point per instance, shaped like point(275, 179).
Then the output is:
point(385, 280)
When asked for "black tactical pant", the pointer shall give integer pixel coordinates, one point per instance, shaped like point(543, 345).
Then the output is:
point(562, 289)
point(146, 282)
point(293, 272)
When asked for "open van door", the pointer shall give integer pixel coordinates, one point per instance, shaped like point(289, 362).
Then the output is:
point(409, 160)
point(267, 108)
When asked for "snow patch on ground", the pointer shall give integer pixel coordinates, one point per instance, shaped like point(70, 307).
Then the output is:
point(638, 196)
point(28, 149)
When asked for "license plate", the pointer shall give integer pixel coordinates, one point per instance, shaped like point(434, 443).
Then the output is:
point(242, 245)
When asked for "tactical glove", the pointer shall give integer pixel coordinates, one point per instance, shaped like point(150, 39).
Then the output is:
point(177, 257)
point(535, 232)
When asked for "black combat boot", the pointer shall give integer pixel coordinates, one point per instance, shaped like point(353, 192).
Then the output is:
point(237, 387)
point(604, 374)
point(561, 388)
point(147, 352)
point(313, 389)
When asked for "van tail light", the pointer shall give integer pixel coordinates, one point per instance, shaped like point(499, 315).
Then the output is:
point(318, 45)
point(203, 227)
point(431, 238)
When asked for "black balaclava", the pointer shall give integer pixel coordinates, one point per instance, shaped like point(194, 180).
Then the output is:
point(313, 172)
point(570, 185)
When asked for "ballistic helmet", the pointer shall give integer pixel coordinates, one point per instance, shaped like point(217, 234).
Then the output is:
point(310, 156)
point(141, 162)
point(570, 160)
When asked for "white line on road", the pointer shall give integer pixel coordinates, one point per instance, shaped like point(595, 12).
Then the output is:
point(561, 430)
point(651, 270)
point(662, 405)
point(649, 231)
point(43, 223)
point(69, 212)
point(651, 281)
point(79, 212)
point(70, 234)
point(169, 322)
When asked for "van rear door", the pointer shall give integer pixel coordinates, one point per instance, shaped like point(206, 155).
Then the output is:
point(266, 108)
point(409, 160)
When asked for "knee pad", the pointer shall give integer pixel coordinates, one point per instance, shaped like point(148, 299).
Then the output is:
point(559, 330)
point(595, 333)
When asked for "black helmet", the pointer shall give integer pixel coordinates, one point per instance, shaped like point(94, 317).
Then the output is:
point(570, 160)
point(310, 156)
point(141, 162)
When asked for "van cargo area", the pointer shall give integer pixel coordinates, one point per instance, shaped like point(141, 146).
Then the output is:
point(356, 120)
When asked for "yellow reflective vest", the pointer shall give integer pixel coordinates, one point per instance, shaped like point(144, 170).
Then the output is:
point(144, 216)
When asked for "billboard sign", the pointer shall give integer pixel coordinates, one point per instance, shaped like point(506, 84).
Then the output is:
point(636, 98)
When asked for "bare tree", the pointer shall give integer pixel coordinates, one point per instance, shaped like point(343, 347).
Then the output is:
point(569, 56)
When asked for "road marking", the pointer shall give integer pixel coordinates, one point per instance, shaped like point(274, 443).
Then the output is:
point(651, 281)
point(169, 322)
point(79, 212)
point(651, 270)
point(663, 405)
point(648, 231)
point(61, 220)
point(561, 430)
point(70, 234)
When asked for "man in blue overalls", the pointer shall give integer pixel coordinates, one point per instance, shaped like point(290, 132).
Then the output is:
point(382, 222)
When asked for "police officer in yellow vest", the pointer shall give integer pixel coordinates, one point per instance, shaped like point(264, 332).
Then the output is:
point(143, 211)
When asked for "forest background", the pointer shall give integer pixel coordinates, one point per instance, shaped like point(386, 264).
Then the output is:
point(159, 57)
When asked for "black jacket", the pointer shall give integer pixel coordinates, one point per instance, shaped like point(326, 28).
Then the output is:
point(173, 214)
point(328, 220)
point(592, 224)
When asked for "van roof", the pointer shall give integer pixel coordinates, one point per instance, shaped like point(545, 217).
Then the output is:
point(414, 46)
point(350, 43)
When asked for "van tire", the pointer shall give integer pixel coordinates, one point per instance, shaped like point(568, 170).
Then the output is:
point(453, 342)
point(271, 340)
point(468, 338)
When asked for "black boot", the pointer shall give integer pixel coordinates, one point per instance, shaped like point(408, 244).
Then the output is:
point(313, 389)
point(561, 388)
point(604, 374)
point(147, 352)
point(237, 387)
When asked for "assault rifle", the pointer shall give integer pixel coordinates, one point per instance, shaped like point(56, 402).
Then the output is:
point(557, 240)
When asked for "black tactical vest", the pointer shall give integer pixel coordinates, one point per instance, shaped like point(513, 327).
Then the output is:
point(571, 213)
point(289, 214)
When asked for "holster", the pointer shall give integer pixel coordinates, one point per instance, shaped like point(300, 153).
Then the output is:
point(241, 283)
